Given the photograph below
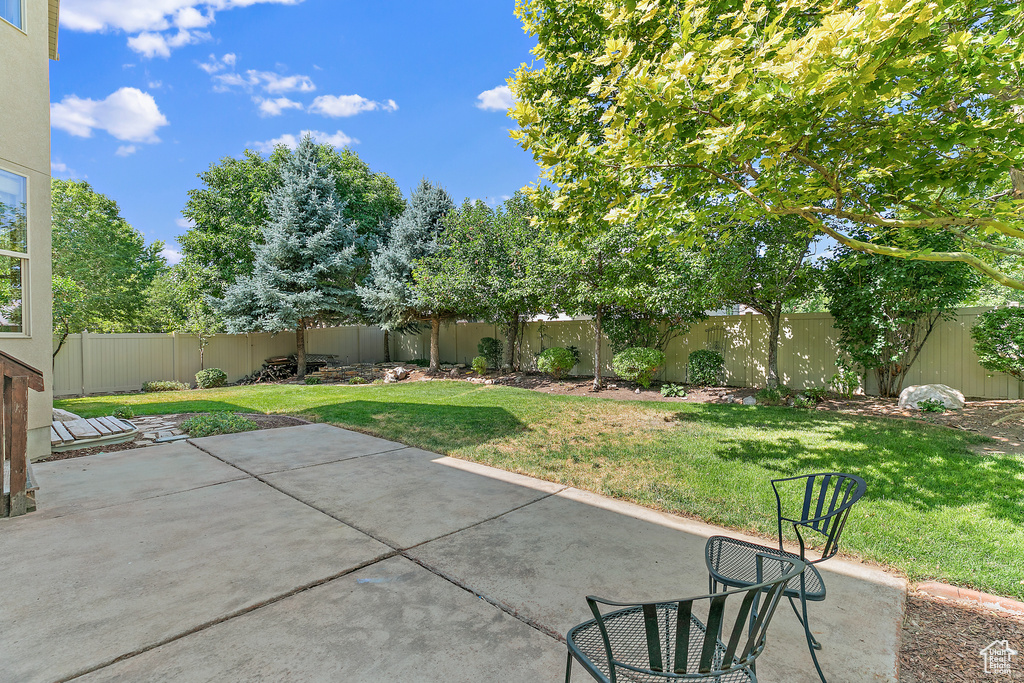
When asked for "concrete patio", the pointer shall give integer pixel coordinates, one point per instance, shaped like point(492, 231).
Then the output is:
point(314, 553)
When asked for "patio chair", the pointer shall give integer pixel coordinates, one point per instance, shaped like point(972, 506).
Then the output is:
point(827, 500)
point(667, 640)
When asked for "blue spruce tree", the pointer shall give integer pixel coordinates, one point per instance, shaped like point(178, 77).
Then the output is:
point(388, 294)
point(304, 272)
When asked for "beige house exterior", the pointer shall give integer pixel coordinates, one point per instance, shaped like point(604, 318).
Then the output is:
point(28, 40)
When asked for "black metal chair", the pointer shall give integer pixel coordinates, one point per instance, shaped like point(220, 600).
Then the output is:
point(827, 500)
point(667, 640)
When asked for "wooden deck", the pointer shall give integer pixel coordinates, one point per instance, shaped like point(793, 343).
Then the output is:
point(93, 431)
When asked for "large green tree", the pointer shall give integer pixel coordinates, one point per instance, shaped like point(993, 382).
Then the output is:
point(492, 265)
point(861, 117)
point(763, 264)
point(305, 269)
point(102, 266)
point(388, 294)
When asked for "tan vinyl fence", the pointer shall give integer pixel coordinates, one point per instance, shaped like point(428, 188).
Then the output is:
point(94, 363)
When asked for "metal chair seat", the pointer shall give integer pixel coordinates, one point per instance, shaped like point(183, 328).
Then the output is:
point(627, 631)
point(731, 563)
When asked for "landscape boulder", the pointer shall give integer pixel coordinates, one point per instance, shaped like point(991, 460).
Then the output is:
point(950, 397)
point(750, 401)
point(64, 416)
point(396, 375)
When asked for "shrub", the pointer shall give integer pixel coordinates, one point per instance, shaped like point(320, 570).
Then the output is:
point(801, 401)
point(638, 364)
point(575, 351)
point(771, 396)
point(357, 380)
point(217, 423)
point(210, 378)
point(164, 385)
point(999, 341)
point(671, 390)
point(377, 381)
point(310, 379)
point(705, 367)
point(931, 405)
point(816, 394)
point(479, 365)
point(556, 361)
point(846, 381)
point(123, 412)
point(493, 351)
point(419, 362)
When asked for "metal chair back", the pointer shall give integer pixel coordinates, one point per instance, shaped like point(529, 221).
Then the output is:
point(827, 500)
point(664, 639)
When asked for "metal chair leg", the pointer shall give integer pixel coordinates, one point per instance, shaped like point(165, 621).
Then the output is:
point(802, 619)
point(812, 644)
point(568, 666)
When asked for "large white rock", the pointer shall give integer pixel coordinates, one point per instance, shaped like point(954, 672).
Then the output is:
point(950, 397)
point(64, 416)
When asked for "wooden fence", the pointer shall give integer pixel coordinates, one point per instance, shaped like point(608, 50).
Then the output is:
point(95, 363)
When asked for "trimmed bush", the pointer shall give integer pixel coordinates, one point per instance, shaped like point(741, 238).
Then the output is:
point(999, 341)
point(493, 350)
point(638, 364)
point(217, 423)
point(357, 380)
point(705, 367)
point(310, 379)
point(164, 385)
point(556, 361)
point(123, 412)
point(479, 365)
point(211, 378)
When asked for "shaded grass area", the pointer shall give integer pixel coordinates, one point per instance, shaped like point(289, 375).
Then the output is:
point(934, 509)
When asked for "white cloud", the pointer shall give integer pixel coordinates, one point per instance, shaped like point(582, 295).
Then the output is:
point(337, 106)
point(290, 141)
point(127, 114)
point(57, 167)
point(276, 106)
point(150, 18)
point(173, 256)
point(495, 99)
point(268, 81)
point(184, 223)
point(126, 150)
point(156, 85)
point(214, 65)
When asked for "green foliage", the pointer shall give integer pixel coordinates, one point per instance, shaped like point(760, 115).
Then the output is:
point(357, 380)
point(638, 364)
point(210, 378)
point(816, 394)
point(802, 401)
point(931, 405)
point(221, 422)
point(575, 351)
point(123, 412)
point(770, 396)
point(673, 390)
point(310, 379)
point(493, 350)
point(479, 365)
point(102, 266)
point(885, 308)
point(847, 380)
point(999, 341)
point(418, 362)
point(556, 361)
point(164, 385)
point(643, 114)
point(705, 367)
point(377, 381)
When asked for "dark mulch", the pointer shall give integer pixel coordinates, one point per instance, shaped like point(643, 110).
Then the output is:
point(95, 450)
point(942, 641)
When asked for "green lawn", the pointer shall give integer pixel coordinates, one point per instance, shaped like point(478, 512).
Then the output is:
point(933, 509)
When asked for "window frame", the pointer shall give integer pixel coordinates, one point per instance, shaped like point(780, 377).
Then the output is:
point(25, 8)
point(26, 322)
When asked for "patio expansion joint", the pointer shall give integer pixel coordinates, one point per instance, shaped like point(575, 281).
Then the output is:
point(227, 617)
point(300, 467)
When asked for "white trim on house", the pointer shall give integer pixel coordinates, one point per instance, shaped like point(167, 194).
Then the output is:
point(24, 10)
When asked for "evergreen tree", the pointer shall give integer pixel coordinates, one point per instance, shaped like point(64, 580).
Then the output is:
point(388, 295)
point(305, 270)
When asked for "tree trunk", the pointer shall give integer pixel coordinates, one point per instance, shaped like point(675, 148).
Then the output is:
point(774, 323)
point(60, 344)
point(387, 346)
point(511, 336)
point(598, 382)
point(435, 345)
point(300, 347)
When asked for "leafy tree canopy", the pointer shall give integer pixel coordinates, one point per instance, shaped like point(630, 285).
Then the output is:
point(860, 117)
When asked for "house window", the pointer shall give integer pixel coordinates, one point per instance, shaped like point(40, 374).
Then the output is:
point(13, 250)
point(13, 12)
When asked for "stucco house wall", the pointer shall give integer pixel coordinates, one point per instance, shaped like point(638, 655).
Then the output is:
point(25, 152)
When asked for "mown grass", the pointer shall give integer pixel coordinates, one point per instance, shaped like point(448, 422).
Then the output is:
point(934, 509)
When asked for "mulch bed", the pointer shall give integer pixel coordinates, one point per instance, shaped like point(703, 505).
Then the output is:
point(942, 641)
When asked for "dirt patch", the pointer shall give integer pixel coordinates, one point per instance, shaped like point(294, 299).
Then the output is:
point(943, 640)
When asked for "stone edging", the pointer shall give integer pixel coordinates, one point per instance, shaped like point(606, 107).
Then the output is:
point(992, 602)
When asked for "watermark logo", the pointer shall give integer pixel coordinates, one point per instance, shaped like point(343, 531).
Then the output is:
point(997, 657)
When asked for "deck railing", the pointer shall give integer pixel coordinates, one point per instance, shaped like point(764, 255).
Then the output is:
point(17, 378)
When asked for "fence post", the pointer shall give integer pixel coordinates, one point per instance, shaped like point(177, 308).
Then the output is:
point(174, 356)
point(248, 355)
point(84, 335)
point(749, 373)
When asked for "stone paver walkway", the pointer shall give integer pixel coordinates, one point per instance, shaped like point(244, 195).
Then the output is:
point(317, 554)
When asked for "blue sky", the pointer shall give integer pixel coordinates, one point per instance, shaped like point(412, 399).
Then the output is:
point(148, 93)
